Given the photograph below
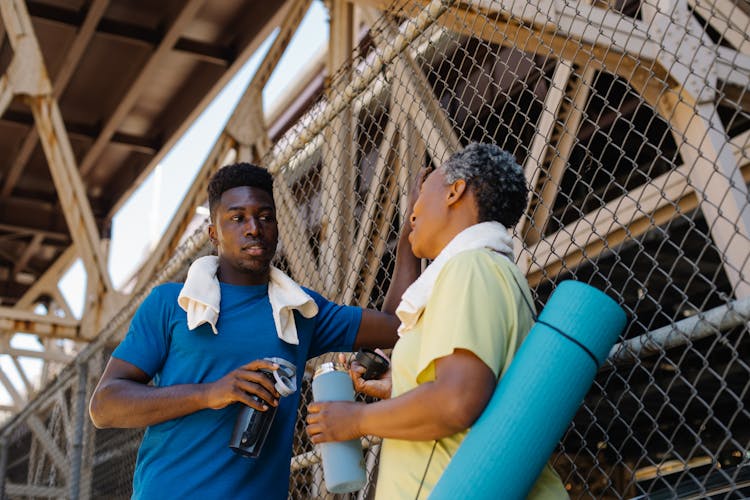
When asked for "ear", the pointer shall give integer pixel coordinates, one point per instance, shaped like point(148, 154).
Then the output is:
point(456, 191)
point(212, 235)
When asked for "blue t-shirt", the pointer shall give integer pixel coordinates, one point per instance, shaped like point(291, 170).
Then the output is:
point(189, 457)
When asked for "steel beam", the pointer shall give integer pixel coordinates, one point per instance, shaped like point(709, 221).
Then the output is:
point(295, 233)
point(6, 93)
point(47, 284)
point(727, 18)
point(711, 322)
point(27, 385)
point(172, 35)
point(562, 141)
point(373, 210)
point(70, 189)
point(586, 24)
point(699, 134)
point(626, 217)
point(47, 442)
point(15, 320)
point(378, 245)
point(338, 172)
point(31, 80)
point(31, 249)
point(33, 491)
point(415, 96)
point(715, 175)
point(32, 217)
point(73, 56)
point(46, 354)
point(412, 153)
point(18, 400)
point(538, 152)
point(382, 57)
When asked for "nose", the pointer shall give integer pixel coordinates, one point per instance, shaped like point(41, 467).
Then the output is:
point(252, 227)
point(412, 218)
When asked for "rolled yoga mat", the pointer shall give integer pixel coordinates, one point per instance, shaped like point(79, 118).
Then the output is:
point(508, 446)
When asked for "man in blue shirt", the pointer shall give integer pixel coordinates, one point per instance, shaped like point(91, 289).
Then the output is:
point(200, 375)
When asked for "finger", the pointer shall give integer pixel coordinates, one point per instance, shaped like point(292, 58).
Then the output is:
point(252, 402)
point(251, 388)
point(260, 364)
point(316, 434)
point(313, 408)
point(342, 359)
point(357, 368)
point(258, 378)
point(380, 351)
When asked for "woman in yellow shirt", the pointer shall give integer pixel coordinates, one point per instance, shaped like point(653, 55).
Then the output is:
point(462, 322)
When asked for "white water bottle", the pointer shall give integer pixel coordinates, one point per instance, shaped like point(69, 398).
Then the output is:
point(343, 462)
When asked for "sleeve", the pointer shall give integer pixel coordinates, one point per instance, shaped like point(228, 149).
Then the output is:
point(336, 326)
point(147, 342)
point(471, 307)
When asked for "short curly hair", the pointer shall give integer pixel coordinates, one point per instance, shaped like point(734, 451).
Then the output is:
point(236, 175)
point(495, 178)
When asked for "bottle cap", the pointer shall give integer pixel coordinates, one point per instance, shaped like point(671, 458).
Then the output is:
point(375, 364)
point(329, 366)
point(284, 376)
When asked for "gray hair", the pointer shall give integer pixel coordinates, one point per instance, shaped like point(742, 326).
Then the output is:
point(495, 178)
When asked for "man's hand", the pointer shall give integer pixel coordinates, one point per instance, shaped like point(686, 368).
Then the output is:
point(333, 421)
point(241, 385)
point(124, 399)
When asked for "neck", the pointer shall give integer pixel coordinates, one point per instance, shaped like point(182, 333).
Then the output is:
point(457, 222)
point(242, 277)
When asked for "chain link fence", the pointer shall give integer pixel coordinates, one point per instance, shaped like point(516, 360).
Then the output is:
point(632, 123)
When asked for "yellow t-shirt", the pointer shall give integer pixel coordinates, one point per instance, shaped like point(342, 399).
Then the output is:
point(475, 305)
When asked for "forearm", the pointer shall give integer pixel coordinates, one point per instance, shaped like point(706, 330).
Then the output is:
point(405, 271)
point(129, 404)
point(422, 414)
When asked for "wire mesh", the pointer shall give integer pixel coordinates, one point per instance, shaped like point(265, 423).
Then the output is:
point(632, 122)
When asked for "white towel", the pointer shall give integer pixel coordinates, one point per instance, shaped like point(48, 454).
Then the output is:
point(201, 295)
point(492, 235)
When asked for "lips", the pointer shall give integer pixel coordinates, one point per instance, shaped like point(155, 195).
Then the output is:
point(254, 250)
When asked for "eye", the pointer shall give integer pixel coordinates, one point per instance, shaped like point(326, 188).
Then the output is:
point(267, 218)
point(236, 218)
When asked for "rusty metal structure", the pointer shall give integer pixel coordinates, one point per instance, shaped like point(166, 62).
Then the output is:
point(631, 119)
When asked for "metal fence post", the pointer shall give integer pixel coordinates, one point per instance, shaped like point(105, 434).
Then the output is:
point(76, 449)
point(3, 465)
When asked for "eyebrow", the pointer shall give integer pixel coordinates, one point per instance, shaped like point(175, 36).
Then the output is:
point(239, 208)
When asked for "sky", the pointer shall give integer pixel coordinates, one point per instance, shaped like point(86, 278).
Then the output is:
point(153, 204)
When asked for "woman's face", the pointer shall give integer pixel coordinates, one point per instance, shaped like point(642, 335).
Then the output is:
point(428, 217)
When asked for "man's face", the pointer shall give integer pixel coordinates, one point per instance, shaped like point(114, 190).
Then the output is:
point(429, 215)
point(245, 233)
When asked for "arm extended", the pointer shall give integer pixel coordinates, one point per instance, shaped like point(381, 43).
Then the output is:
point(462, 388)
point(124, 399)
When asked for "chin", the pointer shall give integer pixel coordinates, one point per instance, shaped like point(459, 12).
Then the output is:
point(256, 268)
point(418, 253)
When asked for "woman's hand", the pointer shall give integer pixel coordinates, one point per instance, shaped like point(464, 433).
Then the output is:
point(334, 421)
point(378, 388)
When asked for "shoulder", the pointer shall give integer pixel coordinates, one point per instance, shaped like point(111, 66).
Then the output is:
point(317, 297)
point(167, 290)
point(164, 294)
point(478, 275)
point(479, 260)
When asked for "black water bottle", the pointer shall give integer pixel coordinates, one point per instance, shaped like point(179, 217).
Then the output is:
point(252, 426)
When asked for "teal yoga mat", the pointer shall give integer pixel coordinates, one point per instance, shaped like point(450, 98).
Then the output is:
point(506, 449)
